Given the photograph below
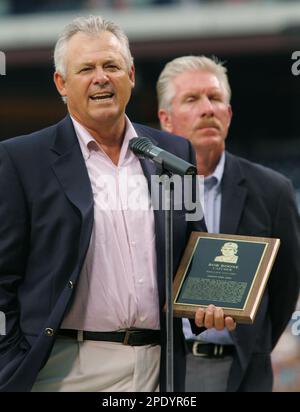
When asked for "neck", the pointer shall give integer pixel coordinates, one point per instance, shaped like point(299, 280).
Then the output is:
point(207, 160)
point(110, 139)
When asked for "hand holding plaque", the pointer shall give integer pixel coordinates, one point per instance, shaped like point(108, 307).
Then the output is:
point(213, 317)
point(229, 271)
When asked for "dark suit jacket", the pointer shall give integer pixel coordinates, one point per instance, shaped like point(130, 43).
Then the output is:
point(260, 202)
point(46, 215)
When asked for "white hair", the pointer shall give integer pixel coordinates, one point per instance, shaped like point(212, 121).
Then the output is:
point(92, 26)
point(165, 88)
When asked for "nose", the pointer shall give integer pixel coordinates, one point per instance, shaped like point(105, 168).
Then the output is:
point(100, 77)
point(206, 107)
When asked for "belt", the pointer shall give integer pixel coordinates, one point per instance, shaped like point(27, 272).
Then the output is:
point(209, 350)
point(132, 337)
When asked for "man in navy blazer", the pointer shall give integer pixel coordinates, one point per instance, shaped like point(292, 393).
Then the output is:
point(51, 231)
point(241, 198)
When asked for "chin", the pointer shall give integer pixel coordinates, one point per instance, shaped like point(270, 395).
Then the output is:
point(208, 140)
point(103, 115)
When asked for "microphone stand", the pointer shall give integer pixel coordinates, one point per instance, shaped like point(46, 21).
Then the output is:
point(168, 197)
point(168, 203)
point(166, 165)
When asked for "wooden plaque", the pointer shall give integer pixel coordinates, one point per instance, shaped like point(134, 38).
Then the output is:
point(229, 271)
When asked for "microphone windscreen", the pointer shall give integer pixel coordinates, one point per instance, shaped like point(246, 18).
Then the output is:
point(140, 145)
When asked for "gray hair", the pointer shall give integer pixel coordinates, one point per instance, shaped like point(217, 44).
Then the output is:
point(164, 86)
point(91, 25)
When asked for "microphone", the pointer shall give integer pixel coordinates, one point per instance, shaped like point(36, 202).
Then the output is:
point(144, 148)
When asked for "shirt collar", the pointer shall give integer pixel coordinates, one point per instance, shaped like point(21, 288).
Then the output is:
point(218, 172)
point(88, 143)
point(129, 134)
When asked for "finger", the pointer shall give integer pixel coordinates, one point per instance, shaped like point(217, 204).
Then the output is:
point(230, 323)
point(219, 319)
point(209, 317)
point(199, 317)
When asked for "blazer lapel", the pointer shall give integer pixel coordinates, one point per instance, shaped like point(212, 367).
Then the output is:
point(69, 168)
point(233, 195)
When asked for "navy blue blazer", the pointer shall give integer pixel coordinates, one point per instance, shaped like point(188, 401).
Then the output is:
point(258, 201)
point(46, 215)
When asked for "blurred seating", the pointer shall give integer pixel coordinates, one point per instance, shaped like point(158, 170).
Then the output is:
point(37, 6)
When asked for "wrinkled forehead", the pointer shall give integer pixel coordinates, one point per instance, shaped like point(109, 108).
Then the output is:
point(82, 46)
point(93, 41)
point(197, 81)
point(198, 78)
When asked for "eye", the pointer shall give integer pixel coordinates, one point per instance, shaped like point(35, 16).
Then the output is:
point(190, 99)
point(111, 67)
point(215, 97)
point(85, 69)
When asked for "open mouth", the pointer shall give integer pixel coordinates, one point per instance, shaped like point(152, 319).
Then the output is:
point(101, 96)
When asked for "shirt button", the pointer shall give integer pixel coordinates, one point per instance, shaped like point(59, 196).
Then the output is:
point(133, 243)
point(70, 284)
point(140, 281)
point(142, 318)
point(49, 332)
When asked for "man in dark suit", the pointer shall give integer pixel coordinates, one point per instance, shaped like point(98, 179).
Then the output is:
point(81, 271)
point(240, 198)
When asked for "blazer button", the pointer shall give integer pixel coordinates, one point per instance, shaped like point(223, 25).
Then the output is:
point(70, 284)
point(49, 332)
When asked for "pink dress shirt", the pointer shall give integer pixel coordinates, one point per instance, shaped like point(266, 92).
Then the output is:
point(117, 287)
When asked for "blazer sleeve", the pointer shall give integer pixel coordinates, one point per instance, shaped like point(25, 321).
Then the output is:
point(285, 278)
point(14, 241)
point(197, 225)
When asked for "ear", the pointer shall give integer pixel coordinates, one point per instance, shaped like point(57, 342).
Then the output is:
point(60, 83)
point(165, 120)
point(230, 113)
point(132, 76)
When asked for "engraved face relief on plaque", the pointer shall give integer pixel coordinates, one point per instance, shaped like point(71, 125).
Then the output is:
point(229, 253)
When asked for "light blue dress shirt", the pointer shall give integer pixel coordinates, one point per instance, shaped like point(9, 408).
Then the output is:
point(212, 214)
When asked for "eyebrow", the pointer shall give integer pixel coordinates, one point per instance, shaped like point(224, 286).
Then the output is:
point(216, 90)
point(92, 63)
point(210, 90)
point(84, 64)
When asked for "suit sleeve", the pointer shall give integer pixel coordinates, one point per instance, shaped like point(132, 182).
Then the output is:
point(13, 250)
point(198, 226)
point(285, 278)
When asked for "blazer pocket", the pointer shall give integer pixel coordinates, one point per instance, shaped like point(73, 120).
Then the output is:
point(260, 233)
point(13, 352)
point(256, 230)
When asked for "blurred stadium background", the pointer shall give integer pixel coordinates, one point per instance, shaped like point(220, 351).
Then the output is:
point(255, 38)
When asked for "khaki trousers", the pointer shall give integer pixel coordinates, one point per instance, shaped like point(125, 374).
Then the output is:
point(94, 366)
